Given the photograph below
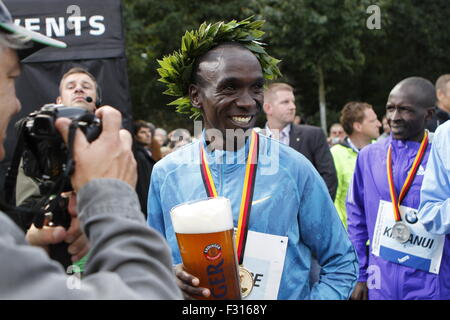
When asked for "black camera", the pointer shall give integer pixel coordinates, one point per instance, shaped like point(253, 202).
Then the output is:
point(47, 159)
point(45, 155)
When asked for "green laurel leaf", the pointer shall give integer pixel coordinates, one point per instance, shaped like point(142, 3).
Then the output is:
point(176, 69)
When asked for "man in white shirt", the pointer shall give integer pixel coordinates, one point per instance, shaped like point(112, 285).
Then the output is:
point(279, 107)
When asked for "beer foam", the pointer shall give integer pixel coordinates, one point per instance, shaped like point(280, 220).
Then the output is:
point(205, 216)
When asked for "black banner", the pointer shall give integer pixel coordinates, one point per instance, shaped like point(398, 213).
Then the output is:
point(91, 28)
point(94, 35)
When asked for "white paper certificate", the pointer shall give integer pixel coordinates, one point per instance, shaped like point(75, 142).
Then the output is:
point(264, 258)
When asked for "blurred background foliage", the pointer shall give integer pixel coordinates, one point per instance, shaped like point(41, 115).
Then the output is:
point(325, 47)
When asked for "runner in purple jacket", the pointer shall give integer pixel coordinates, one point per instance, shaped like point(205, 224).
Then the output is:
point(387, 272)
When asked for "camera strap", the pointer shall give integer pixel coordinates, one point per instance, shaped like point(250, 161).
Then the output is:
point(8, 206)
point(70, 164)
point(11, 175)
point(48, 203)
point(51, 204)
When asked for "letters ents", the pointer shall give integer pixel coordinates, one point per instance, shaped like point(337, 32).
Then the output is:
point(62, 26)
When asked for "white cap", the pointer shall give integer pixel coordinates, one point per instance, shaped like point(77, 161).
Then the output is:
point(26, 36)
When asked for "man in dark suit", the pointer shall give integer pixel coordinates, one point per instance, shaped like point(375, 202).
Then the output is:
point(142, 135)
point(279, 106)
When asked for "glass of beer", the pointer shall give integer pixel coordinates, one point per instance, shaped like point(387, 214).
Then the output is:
point(204, 231)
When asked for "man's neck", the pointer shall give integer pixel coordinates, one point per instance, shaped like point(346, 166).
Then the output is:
point(443, 108)
point(232, 142)
point(276, 125)
point(417, 138)
point(141, 144)
point(359, 140)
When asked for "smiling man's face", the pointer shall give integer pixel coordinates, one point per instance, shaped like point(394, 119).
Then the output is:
point(231, 91)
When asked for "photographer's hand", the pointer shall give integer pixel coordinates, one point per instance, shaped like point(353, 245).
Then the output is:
point(74, 237)
point(109, 156)
point(45, 236)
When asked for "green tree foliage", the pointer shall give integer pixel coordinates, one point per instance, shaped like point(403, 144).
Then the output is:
point(315, 38)
point(415, 42)
point(357, 63)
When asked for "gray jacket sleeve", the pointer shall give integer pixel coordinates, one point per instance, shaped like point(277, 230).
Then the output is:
point(128, 259)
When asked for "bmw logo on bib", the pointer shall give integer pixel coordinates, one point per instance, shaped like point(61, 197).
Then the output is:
point(411, 216)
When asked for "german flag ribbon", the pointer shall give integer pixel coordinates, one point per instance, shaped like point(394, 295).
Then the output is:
point(247, 190)
point(396, 201)
point(208, 181)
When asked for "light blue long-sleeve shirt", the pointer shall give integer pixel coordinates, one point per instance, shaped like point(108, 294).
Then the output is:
point(290, 199)
point(434, 209)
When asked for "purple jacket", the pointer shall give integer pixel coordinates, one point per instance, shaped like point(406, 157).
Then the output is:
point(370, 185)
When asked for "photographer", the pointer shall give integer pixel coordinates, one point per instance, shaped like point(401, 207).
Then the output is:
point(120, 266)
point(78, 88)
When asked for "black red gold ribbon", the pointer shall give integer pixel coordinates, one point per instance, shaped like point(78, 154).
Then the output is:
point(208, 181)
point(409, 179)
point(247, 190)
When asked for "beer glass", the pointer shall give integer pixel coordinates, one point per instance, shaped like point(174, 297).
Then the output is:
point(204, 231)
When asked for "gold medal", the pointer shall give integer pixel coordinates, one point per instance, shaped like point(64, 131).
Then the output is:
point(246, 281)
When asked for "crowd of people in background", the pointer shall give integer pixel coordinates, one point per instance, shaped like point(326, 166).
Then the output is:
point(158, 142)
point(347, 205)
point(359, 127)
point(334, 157)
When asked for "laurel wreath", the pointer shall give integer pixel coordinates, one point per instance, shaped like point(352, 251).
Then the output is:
point(176, 68)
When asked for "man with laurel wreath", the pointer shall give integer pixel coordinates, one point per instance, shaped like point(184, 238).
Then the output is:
point(220, 73)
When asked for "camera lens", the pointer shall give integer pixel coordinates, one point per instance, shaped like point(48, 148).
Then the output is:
point(43, 126)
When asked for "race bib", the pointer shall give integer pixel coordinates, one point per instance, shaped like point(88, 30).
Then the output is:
point(264, 258)
point(421, 251)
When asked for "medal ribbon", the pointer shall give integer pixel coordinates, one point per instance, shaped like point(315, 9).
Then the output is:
point(208, 181)
point(247, 191)
point(409, 179)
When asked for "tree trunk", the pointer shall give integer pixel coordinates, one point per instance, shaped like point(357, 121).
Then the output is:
point(322, 101)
